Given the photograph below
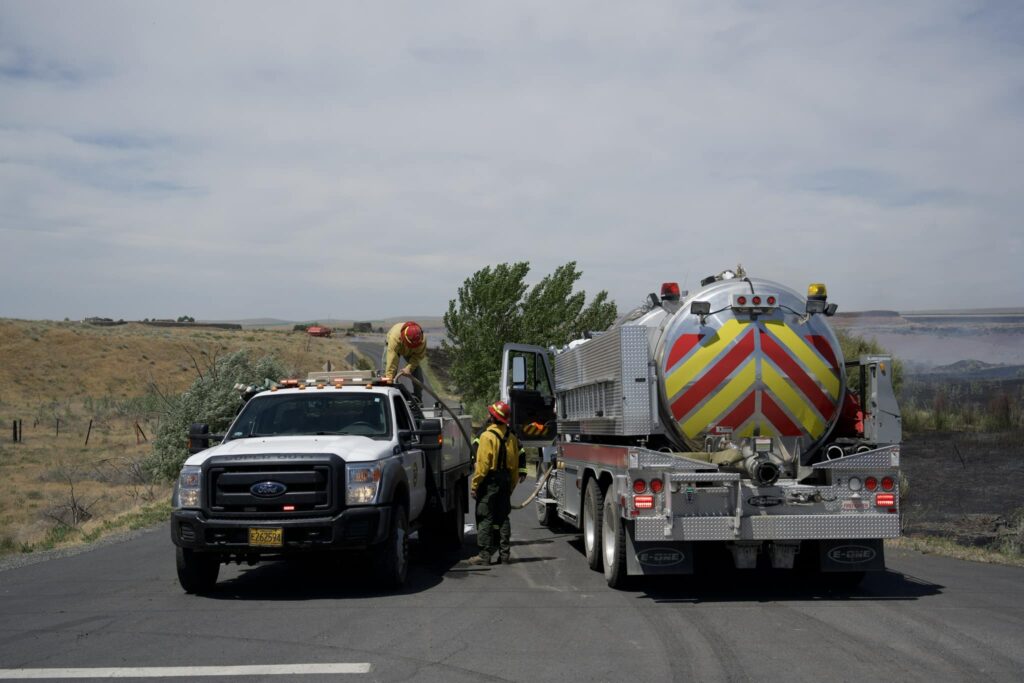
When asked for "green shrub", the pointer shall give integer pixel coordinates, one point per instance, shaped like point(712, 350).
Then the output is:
point(211, 399)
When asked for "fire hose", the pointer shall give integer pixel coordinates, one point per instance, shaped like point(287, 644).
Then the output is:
point(540, 482)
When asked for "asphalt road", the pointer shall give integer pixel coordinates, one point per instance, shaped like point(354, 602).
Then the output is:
point(545, 617)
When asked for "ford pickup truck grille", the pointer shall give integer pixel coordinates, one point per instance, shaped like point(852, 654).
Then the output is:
point(271, 488)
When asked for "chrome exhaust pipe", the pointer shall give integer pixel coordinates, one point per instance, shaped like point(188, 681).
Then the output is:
point(834, 451)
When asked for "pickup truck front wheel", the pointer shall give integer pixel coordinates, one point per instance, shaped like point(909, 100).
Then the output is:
point(197, 572)
point(391, 560)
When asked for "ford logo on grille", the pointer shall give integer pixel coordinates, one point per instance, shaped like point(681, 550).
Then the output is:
point(268, 489)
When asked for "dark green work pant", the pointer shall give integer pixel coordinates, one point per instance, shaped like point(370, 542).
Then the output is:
point(493, 529)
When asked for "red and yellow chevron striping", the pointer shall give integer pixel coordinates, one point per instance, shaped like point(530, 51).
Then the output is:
point(751, 376)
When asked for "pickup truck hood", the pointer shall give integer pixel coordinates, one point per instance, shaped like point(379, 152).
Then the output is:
point(349, 447)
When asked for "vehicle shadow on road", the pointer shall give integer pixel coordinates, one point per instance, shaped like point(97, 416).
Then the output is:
point(336, 576)
point(767, 585)
point(714, 581)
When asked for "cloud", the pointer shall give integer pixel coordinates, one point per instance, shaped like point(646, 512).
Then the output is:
point(358, 160)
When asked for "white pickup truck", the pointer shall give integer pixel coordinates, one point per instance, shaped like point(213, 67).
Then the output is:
point(338, 462)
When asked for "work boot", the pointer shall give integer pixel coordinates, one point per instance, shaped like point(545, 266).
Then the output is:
point(478, 560)
point(504, 558)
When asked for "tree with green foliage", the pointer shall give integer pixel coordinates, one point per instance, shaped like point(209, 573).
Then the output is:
point(496, 307)
point(212, 399)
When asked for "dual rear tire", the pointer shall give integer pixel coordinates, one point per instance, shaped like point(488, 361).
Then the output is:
point(604, 535)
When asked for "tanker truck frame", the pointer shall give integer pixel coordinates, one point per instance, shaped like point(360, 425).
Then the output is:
point(717, 424)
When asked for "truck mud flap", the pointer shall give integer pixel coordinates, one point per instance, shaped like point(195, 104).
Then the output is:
point(653, 558)
point(851, 555)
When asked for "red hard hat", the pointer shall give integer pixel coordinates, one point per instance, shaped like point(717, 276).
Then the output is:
point(412, 334)
point(500, 411)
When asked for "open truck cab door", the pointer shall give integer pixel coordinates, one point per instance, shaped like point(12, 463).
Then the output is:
point(528, 386)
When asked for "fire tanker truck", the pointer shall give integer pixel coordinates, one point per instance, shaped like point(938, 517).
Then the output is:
point(719, 423)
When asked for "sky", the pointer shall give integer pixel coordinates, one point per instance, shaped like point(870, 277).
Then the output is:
point(360, 160)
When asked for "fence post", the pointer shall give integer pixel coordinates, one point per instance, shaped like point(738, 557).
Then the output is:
point(21, 427)
point(140, 435)
point(88, 432)
point(58, 427)
point(14, 432)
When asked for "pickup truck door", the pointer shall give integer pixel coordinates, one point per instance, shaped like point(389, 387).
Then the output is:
point(527, 385)
point(413, 461)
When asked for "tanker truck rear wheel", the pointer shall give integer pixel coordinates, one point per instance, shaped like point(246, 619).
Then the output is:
point(593, 504)
point(546, 515)
point(613, 544)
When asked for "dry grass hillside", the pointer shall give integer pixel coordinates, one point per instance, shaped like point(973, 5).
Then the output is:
point(57, 378)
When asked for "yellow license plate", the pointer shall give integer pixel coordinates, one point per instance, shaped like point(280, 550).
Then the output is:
point(267, 538)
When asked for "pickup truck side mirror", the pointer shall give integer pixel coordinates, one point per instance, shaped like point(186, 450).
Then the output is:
point(199, 437)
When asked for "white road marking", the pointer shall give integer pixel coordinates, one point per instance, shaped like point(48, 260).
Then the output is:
point(187, 671)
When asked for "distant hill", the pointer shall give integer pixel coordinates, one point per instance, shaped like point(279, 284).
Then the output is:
point(430, 323)
point(868, 314)
point(976, 369)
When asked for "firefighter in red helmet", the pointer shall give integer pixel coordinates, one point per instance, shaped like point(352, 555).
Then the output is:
point(406, 340)
point(494, 479)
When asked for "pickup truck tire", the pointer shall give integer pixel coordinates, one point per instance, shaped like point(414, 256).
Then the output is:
point(391, 558)
point(197, 572)
point(593, 504)
point(613, 544)
point(455, 523)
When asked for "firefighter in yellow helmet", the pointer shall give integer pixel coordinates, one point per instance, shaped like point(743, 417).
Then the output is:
point(494, 478)
point(406, 340)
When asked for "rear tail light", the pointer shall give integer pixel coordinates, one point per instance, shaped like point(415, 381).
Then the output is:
point(643, 502)
point(657, 485)
point(756, 301)
point(771, 301)
point(639, 485)
point(871, 483)
point(888, 483)
point(885, 500)
point(741, 300)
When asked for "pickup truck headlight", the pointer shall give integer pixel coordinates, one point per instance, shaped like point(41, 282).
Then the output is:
point(361, 482)
point(190, 488)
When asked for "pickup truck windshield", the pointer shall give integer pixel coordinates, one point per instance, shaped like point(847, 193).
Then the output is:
point(313, 413)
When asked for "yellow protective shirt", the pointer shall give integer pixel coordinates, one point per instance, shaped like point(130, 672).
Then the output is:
point(397, 348)
point(487, 455)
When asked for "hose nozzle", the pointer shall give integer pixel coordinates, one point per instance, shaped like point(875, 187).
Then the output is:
point(764, 472)
point(763, 468)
